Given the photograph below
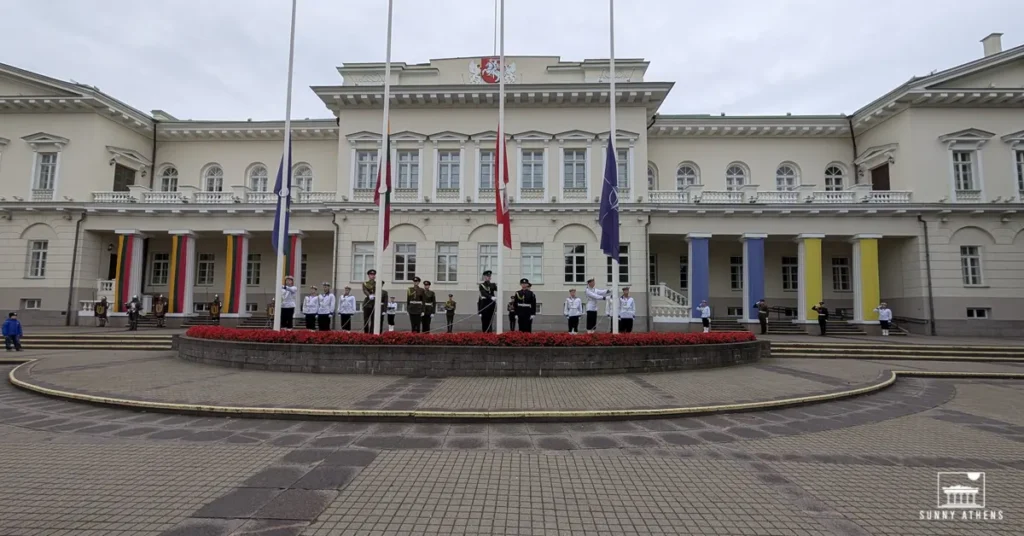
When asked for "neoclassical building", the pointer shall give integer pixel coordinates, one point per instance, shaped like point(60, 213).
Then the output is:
point(914, 199)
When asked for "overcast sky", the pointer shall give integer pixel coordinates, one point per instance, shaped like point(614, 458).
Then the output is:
point(227, 59)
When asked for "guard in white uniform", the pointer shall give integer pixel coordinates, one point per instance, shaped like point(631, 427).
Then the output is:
point(325, 309)
point(627, 312)
point(346, 308)
point(705, 315)
point(310, 306)
point(573, 310)
point(392, 311)
point(594, 295)
point(288, 292)
point(884, 318)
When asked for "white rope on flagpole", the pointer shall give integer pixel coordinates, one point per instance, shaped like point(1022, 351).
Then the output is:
point(612, 133)
point(495, 52)
point(499, 164)
point(382, 159)
point(285, 161)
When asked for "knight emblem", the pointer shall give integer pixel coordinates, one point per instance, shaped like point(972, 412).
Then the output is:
point(488, 71)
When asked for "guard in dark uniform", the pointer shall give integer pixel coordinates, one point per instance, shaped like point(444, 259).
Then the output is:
point(414, 298)
point(526, 306)
point(215, 310)
point(134, 308)
point(370, 300)
point(429, 306)
point(485, 303)
point(160, 310)
point(449, 312)
point(100, 310)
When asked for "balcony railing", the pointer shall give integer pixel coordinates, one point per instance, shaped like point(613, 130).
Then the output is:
point(968, 196)
point(214, 198)
point(42, 195)
point(778, 197)
point(834, 197)
point(531, 194)
point(574, 194)
point(721, 196)
point(362, 194)
point(259, 198)
point(163, 197)
point(112, 197)
point(887, 197)
point(405, 194)
point(318, 197)
point(668, 196)
point(447, 194)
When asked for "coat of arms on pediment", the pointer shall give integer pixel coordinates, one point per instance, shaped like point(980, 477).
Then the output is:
point(488, 71)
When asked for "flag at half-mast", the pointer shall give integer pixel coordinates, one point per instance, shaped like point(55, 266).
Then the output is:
point(501, 190)
point(282, 187)
point(385, 164)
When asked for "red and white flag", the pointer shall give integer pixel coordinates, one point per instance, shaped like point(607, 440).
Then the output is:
point(501, 190)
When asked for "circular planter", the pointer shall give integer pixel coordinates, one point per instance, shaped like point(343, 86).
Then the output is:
point(444, 361)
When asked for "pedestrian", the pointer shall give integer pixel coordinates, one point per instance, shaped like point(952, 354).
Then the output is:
point(160, 310)
point(288, 293)
point(215, 310)
point(526, 306)
point(762, 315)
point(627, 312)
point(414, 298)
point(449, 312)
point(573, 310)
point(884, 318)
point(485, 303)
point(12, 332)
point(310, 306)
point(594, 295)
point(325, 309)
point(346, 309)
point(392, 311)
point(429, 306)
point(370, 300)
point(100, 311)
point(822, 317)
point(705, 315)
point(510, 308)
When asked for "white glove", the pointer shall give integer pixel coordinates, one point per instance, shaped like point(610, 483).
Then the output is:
point(371, 296)
point(531, 317)
point(494, 298)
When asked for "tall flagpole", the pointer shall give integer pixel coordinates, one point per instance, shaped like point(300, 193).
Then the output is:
point(285, 161)
point(612, 133)
point(383, 160)
point(499, 164)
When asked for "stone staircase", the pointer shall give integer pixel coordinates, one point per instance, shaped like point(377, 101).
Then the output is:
point(99, 341)
point(887, 350)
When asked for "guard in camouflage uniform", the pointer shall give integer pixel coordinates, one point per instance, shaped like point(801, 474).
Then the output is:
point(414, 304)
point(429, 306)
point(485, 303)
point(449, 312)
point(370, 301)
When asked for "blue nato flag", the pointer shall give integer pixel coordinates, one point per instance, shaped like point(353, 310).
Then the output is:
point(609, 215)
point(282, 187)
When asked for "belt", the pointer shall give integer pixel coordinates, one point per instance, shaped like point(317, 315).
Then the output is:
point(415, 303)
point(523, 305)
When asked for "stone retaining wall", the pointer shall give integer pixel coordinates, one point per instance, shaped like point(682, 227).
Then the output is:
point(442, 361)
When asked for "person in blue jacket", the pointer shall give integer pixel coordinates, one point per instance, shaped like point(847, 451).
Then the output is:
point(12, 332)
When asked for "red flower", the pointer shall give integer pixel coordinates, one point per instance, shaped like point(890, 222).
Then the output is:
point(514, 338)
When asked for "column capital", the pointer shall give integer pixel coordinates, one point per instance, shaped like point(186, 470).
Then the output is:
point(752, 236)
point(236, 232)
point(865, 237)
point(806, 236)
point(182, 232)
point(692, 236)
point(128, 232)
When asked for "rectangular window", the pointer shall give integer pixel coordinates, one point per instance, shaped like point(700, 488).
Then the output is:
point(734, 311)
point(486, 169)
point(46, 171)
point(684, 272)
point(252, 269)
point(574, 174)
point(575, 263)
point(362, 259)
point(736, 273)
point(532, 257)
point(302, 271)
point(623, 265)
point(488, 258)
point(201, 307)
point(963, 170)
point(1020, 170)
point(533, 169)
point(251, 307)
point(169, 181)
point(408, 170)
point(37, 252)
point(841, 274)
point(366, 170)
point(970, 265)
point(790, 273)
point(204, 269)
point(448, 169)
point(652, 270)
point(448, 262)
point(979, 312)
point(405, 261)
point(161, 269)
point(31, 303)
point(622, 161)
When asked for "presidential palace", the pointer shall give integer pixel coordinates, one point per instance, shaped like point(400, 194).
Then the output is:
point(915, 199)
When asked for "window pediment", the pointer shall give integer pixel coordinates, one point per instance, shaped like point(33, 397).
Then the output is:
point(363, 136)
point(875, 156)
point(532, 135)
point(128, 158)
point(408, 135)
point(1015, 139)
point(621, 135)
point(974, 137)
point(448, 135)
point(576, 135)
point(4, 142)
point(41, 140)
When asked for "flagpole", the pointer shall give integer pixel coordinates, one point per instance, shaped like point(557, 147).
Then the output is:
point(383, 160)
point(612, 133)
point(285, 173)
point(499, 164)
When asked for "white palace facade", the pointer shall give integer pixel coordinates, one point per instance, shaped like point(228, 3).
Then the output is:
point(916, 199)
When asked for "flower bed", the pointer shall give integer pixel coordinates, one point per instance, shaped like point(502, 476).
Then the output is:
point(514, 338)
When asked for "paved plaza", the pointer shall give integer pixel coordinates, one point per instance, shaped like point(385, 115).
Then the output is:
point(852, 466)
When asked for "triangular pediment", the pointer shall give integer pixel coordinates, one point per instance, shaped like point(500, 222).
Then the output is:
point(43, 138)
point(1014, 137)
point(408, 135)
point(1001, 71)
point(449, 135)
point(129, 158)
point(619, 135)
point(582, 135)
point(17, 83)
point(363, 135)
point(532, 135)
point(967, 134)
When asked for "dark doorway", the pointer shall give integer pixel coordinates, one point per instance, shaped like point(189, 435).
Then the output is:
point(880, 178)
point(123, 178)
point(112, 270)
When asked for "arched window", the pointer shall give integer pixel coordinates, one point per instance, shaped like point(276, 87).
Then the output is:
point(302, 177)
point(213, 179)
point(169, 179)
point(258, 180)
point(735, 176)
point(652, 177)
point(786, 177)
point(834, 176)
point(687, 174)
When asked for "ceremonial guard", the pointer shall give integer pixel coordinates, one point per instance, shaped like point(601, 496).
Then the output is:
point(310, 306)
point(392, 310)
point(429, 306)
point(449, 312)
point(288, 293)
point(627, 312)
point(705, 315)
point(134, 309)
point(100, 310)
point(822, 317)
point(215, 310)
point(594, 295)
point(573, 310)
point(334, 305)
point(370, 300)
point(485, 303)
point(414, 299)
point(762, 315)
point(346, 308)
point(160, 310)
point(270, 314)
point(511, 309)
point(884, 318)
point(325, 309)
point(526, 306)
